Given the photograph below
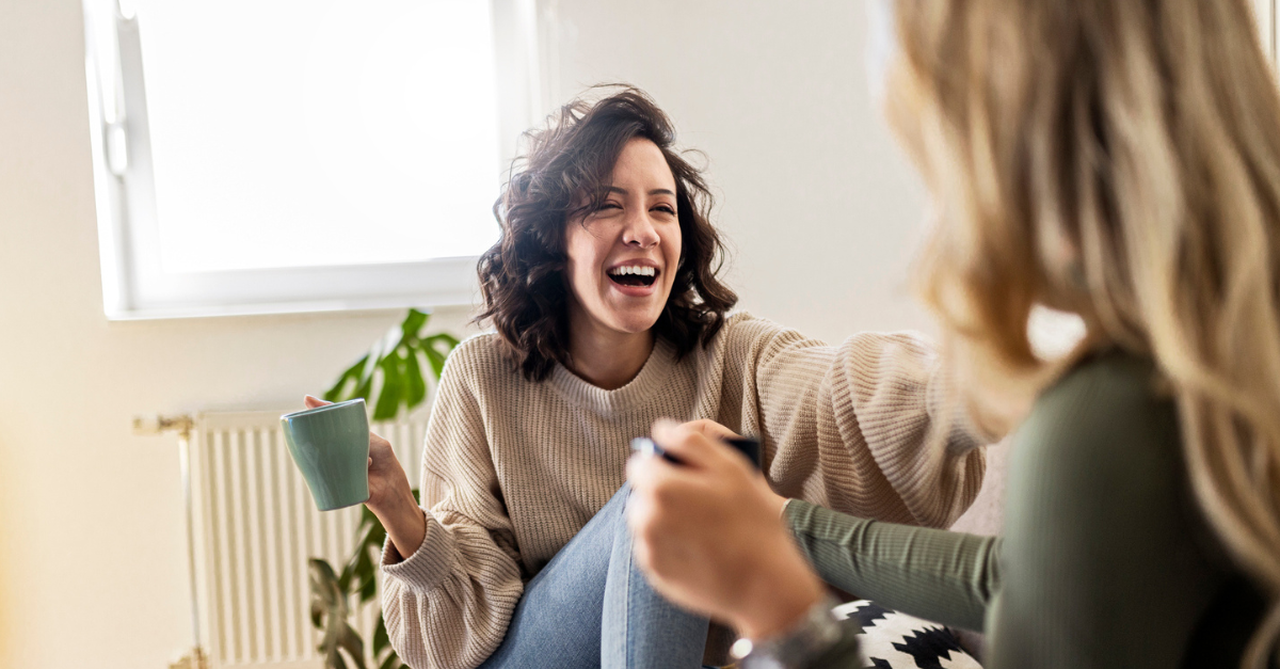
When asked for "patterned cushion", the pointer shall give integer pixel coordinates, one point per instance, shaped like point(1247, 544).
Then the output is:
point(892, 640)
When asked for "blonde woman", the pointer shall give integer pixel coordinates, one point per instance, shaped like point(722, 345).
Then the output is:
point(1116, 159)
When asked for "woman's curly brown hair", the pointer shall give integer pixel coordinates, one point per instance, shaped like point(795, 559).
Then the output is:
point(564, 176)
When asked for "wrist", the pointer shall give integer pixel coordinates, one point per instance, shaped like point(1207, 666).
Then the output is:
point(813, 640)
point(780, 506)
point(393, 506)
point(405, 523)
point(778, 595)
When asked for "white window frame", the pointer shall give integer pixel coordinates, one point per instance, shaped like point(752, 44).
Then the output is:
point(135, 285)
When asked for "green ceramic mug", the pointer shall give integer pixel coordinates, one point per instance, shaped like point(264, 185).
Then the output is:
point(330, 445)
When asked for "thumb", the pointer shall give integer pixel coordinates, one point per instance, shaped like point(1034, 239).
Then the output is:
point(689, 445)
point(313, 402)
point(712, 430)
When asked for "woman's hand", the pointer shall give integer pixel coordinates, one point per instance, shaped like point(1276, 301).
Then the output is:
point(390, 496)
point(709, 535)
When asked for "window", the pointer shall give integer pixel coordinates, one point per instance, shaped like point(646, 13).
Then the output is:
point(259, 156)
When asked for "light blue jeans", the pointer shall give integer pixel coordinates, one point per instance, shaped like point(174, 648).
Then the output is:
point(592, 607)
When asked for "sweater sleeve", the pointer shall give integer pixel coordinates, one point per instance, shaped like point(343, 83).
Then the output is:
point(448, 604)
point(851, 427)
point(947, 577)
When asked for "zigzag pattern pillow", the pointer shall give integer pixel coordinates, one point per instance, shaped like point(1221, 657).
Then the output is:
point(892, 640)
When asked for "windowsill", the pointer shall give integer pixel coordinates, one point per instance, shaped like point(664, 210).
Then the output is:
point(285, 309)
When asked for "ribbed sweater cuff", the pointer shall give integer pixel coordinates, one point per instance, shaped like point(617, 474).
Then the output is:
point(427, 568)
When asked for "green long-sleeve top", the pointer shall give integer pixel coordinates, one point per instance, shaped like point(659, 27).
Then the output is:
point(1105, 559)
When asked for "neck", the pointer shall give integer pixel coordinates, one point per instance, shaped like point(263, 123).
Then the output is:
point(608, 360)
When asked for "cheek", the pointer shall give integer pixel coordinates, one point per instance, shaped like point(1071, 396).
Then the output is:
point(580, 254)
point(585, 281)
point(580, 276)
point(675, 253)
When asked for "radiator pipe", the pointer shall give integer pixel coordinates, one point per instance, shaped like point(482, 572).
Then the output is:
point(183, 425)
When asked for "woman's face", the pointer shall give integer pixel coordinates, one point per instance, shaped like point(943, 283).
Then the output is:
point(623, 256)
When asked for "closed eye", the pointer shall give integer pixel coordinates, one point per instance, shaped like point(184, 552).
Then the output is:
point(666, 208)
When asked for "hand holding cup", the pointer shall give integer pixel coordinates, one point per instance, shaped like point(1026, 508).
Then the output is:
point(389, 495)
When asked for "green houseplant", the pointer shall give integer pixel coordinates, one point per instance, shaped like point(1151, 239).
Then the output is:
point(390, 378)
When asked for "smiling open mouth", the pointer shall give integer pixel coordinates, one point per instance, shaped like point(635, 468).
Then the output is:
point(633, 276)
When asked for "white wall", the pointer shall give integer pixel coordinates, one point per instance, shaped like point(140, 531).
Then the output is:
point(819, 206)
point(816, 199)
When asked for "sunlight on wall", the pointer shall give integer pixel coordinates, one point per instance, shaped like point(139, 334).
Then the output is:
point(8, 540)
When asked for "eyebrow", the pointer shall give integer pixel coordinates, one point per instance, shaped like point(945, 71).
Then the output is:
point(656, 191)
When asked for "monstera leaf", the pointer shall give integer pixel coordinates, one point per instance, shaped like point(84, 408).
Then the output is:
point(331, 604)
point(390, 377)
point(329, 612)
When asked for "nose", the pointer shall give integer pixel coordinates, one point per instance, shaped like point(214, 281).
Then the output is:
point(639, 231)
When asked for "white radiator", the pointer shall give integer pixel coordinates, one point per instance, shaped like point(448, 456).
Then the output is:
point(255, 526)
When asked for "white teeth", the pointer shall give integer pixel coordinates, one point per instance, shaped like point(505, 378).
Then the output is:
point(638, 270)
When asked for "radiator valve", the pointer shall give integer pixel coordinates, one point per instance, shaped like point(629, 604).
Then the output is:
point(147, 426)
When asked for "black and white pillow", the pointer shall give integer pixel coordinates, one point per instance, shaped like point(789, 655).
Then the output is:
point(892, 640)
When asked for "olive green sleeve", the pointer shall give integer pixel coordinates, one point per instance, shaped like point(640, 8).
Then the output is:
point(938, 575)
point(1101, 562)
point(1103, 556)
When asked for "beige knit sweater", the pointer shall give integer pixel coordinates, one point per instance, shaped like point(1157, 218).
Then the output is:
point(512, 470)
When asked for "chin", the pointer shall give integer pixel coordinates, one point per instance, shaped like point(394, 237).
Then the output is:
point(635, 324)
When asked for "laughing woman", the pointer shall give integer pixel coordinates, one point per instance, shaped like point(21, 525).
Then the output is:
point(608, 315)
point(1120, 160)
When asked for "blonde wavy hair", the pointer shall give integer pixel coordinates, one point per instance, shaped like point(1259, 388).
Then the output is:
point(1119, 159)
